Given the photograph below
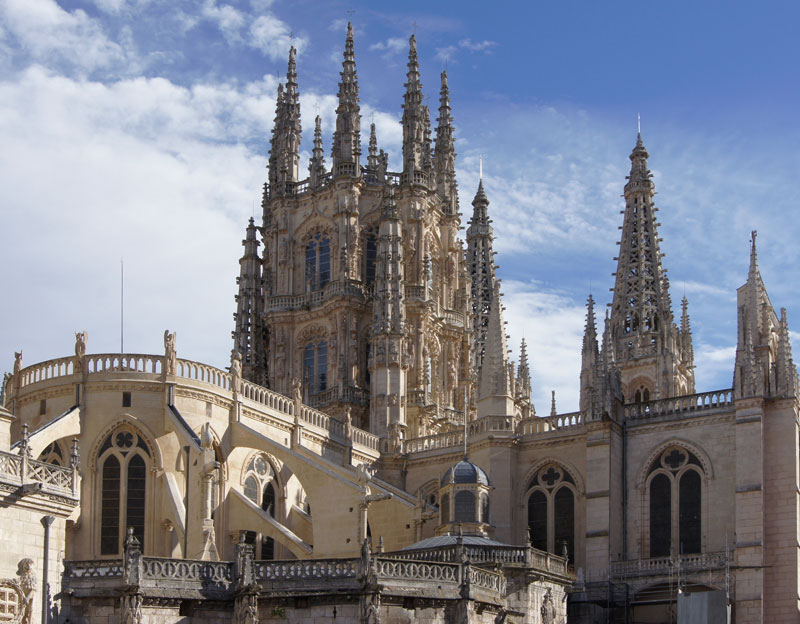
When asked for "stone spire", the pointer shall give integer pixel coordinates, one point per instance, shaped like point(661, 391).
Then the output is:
point(346, 151)
point(248, 334)
point(687, 350)
point(523, 383)
point(480, 264)
point(445, 155)
point(590, 358)
point(644, 335)
point(553, 409)
point(285, 153)
point(388, 361)
point(495, 384)
point(414, 116)
point(316, 168)
point(764, 365)
point(373, 159)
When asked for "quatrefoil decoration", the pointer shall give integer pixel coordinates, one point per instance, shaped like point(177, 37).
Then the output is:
point(124, 439)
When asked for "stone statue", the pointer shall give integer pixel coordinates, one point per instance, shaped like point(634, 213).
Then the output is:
point(27, 583)
point(297, 390)
point(80, 344)
point(17, 362)
point(131, 609)
point(548, 609)
point(170, 354)
point(348, 424)
point(236, 369)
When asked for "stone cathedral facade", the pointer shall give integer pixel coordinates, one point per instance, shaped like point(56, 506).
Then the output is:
point(372, 455)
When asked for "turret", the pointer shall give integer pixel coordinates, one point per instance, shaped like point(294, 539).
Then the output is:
point(346, 151)
point(248, 334)
point(389, 361)
point(445, 155)
point(480, 264)
point(645, 338)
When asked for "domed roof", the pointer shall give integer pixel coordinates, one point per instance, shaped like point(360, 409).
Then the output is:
point(465, 472)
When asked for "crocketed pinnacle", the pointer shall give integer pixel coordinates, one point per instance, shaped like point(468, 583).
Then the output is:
point(445, 154)
point(346, 150)
point(590, 330)
point(494, 373)
point(480, 264)
point(316, 167)
point(372, 158)
point(413, 116)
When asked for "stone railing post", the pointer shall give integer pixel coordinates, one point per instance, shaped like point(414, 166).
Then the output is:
point(73, 462)
point(244, 570)
point(25, 454)
point(132, 564)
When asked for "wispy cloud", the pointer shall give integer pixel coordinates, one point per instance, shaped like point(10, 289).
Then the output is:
point(448, 53)
point(391, 46)
point(274, 37)
point(228, 19)
point(49, 34)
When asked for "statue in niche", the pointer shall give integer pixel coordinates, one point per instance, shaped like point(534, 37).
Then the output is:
point(548, 609)
point(170, 354)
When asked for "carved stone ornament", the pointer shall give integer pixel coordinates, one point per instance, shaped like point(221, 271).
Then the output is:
point(16, 595)
point(246, 609)
point(131, 609)
point(548, 609)
point(170, 354)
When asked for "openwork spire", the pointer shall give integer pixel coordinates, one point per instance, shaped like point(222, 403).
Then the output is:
point(445, 155)
point(641, 312)
point(248, 333)
point(316, 168)
point(346, 151)
point(523, 389)
point(494, 375)
point(480, 264)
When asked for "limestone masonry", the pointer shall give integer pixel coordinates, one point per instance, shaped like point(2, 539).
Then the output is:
point(372, 455)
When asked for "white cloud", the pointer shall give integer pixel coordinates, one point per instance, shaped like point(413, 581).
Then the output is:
point(477, 46)
point(446, 54)
point(273, 37)
point(229, 20)
point(140, 169)
point(392, 46)
point(50, 34)
point(552, 325)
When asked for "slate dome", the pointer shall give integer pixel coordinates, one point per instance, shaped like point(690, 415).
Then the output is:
point(465, 472)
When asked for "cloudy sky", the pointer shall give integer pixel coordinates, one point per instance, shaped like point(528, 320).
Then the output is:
point(138, 130)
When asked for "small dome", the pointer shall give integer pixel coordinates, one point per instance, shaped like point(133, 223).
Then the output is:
point(465, 472)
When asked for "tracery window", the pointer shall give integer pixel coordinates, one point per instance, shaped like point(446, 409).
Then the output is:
point(260, 487)
point(318, 261)
point(315, 367)
point(674, 486)
point(122, 462)
point(551, 510)
point(53, 454)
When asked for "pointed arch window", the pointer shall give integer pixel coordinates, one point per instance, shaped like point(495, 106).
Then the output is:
point(370, 257)
point(551, 510)
point(318, 261)
point(123, 461)
point(675, 490)
point(260, 487)
point(315, 367)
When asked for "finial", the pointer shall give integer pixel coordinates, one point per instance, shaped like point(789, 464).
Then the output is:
point(480, 168)
point(639, 123)
point(553, 411)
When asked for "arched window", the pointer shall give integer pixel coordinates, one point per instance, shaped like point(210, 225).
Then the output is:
point(464, 506)
point(551, 510)
point(53, 454)
point(315, 367)
point(675, 492)
point(318, 261)
point(485, 508)
point(660, 516)
point(445, 508)
point(260, 487)
point(122, 460)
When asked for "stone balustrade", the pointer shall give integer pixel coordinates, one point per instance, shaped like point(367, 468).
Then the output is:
point(492, 424)
point(680, 406)
point(668, 565)
point(268, 398)
point(337, 288)
point(436, 441)
point(203, 372)
point(52, 479)
point(399, 569)
point(540, 425)
point(306, 570)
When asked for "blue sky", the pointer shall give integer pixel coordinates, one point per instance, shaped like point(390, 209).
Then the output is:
point(139, 128)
